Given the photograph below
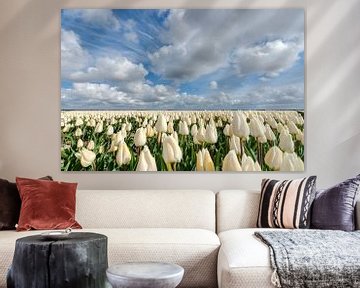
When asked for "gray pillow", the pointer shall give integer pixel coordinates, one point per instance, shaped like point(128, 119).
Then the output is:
point(334, 208)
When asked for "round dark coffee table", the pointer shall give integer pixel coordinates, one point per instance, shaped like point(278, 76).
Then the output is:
point(145, 275)
point(80, 261)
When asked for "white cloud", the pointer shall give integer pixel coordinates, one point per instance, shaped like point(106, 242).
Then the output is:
point(112, 69)
point(73, 56)
point(132, 36)
point(268, 59)
point(279, 97)
point(213, 85)
point(180, 62)
point(103, 18)
point(131, 96)
point(87, 93)
point(199, 42)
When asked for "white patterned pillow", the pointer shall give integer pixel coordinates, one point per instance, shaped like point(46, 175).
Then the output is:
point(286, 204)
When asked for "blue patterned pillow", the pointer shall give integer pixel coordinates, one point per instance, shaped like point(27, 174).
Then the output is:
point(334, 208)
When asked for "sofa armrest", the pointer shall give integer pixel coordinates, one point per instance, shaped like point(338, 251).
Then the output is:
point(357, 215)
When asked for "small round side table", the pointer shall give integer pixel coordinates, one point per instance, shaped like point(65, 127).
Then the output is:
point(145, 275)
point(78, 261)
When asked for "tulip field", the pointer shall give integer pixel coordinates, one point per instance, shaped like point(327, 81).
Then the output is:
point(182, 140)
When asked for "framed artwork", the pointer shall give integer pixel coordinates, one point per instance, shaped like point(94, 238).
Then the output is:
point(182, 90)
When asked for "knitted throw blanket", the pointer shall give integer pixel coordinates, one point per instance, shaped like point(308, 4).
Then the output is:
point(313, 258)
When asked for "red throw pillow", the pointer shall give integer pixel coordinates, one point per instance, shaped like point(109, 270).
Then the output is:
point(46, 204)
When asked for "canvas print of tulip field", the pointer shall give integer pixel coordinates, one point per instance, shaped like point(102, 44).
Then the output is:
point(182, 90)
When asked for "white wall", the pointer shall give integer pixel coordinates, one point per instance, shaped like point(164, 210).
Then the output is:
point(30, 94)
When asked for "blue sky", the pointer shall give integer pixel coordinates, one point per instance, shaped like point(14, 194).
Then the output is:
point(182, 59)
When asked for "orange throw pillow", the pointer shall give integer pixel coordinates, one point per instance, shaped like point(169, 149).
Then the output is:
point(46, 205)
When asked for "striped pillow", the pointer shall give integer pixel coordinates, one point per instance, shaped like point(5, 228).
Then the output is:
point(286, 204)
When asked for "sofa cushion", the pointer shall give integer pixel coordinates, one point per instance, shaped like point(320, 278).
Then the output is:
point(153, 209)
point(334, 208)
point(244, 261)
point(236, 209)
point(194, 249)
point(10, 204)
point(46, 204)
point(286, 204)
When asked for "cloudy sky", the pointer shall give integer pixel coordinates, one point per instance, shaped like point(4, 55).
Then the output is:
point(182, 59)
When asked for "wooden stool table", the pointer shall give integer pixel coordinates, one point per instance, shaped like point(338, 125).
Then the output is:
point(145, 275)
point(78, 261)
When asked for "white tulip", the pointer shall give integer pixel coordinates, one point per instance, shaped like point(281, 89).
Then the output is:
point(113, 121)
point(176, 137)
point(128, 127)
point(200, 136)
point(269, 133)
point(292, 162)
point(262, 139)
point(257, 128)
point(118, 137)
point(279, 127)
point(274, 158)
point(300, 137)
point(79, 122)
point(228, 131)
point(235, 144)
point(91, 123)
point(204, 161)
point(79, 144)
point(293, 129)
point(231, 162)
point(286, 143)
point(161, 124)
point(171, 150)
point(183, 128)
point(140, 137)
point(257, 166)
point(113, 146)
point(272, 122)
point(123, 155)
point(110, 130)
point(86, 157)
point(146, 161)
point(91, 145)
point(145, 123)
point(66, 128)
point(170, 127)
point(123, 132)
point(194, 130)
point(99, 127)
point(248, 164)
point(149, 131)
point(78, 132)
point(240, 126)
point(211, 134)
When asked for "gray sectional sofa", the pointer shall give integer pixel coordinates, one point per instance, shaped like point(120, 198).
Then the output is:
point(210, 235)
